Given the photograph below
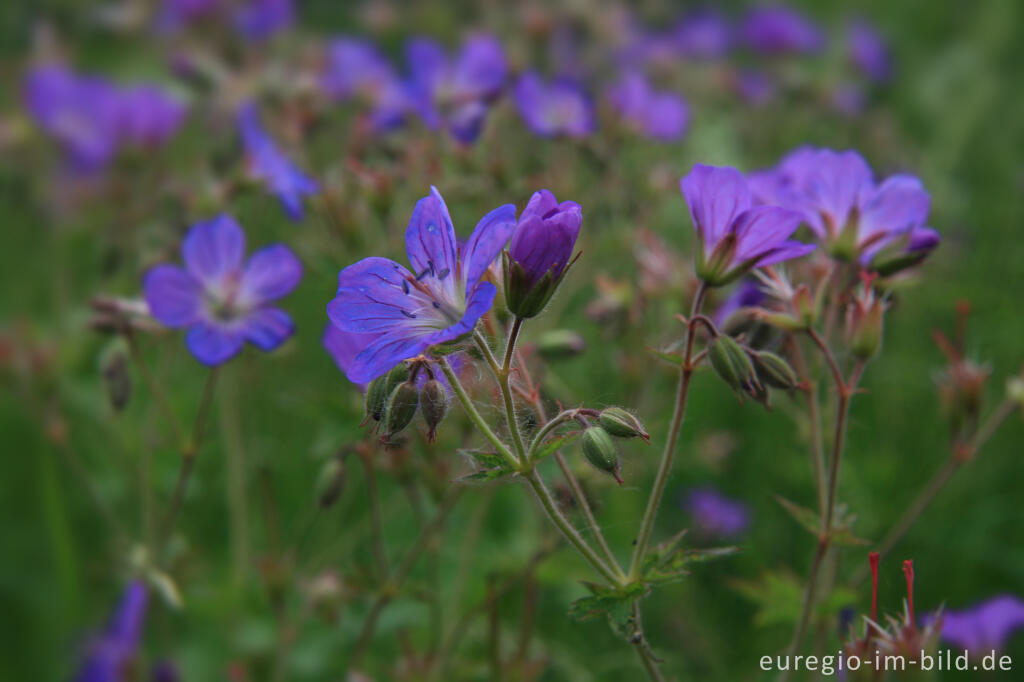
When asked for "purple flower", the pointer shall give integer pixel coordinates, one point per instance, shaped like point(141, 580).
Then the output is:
point(356, 68)
point(847, 98)
point(844, 206)
point(454, 93)
point(559, 107)
point(986, 626)
point(269, 165)
point(733, 235)
point(867, 50)
point(540, 252)
point(747, 295)
point(149, 116)
point(221, 300)
point(659, 115)
point(401, 313)
point(343, 347)
point(110, 652)
point(79, 112)
point(260, 19)
point(704, 34)
point(776, 29)
point(754, 87)
point(715, 514)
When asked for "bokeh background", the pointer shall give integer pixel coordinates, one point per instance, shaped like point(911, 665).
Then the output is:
point(951, 113)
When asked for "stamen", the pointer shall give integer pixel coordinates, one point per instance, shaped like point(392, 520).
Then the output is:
point(419, 277)
point(431, 264)
point(908, 571)
point(444, 273)
point(405, 286)
point(873, 560)
point(436, 304)
point(411, 316)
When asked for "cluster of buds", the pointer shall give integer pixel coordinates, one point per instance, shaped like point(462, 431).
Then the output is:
point(749, 371)
point(901, 639)
point(599, 439)
point(865, 319)
point(394, 399)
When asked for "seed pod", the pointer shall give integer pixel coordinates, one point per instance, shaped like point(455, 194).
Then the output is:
point(397, 375)
point(600, 450)
point(376, 397)
point(330, 482)
point(622, 424)
point(433, 405)
point(401, 408)
point(731, 362)
point(774, 371)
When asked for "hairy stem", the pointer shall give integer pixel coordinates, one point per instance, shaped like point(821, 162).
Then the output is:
point(668, 455)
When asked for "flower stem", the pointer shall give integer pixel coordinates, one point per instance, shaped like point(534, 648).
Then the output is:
point(668, 455)
point(188, 456)
point(845, 390)
point(474, 415)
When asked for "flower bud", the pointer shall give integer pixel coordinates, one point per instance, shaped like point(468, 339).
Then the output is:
point(560, 344)
point(622, 424)
point(401, 408)
point(376, 399)
point(540, 253)
point(732, 363)
point(865, 321)
point(600, 450)
point(1015, 390)
point(774, 371)
point(397, 375)
point(116, 376)
point(433, 405)
point(330, 482)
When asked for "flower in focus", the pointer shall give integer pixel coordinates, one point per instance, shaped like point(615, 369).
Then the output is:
point(455, 92)
point(703, 34)
point(986, 626)
point(776, 29)
point(356, 68)
point(558, 107)
point(735, 236)
point(343, 347)
point(109, 654)
point(221, 300)
point(715, 514)
point(401, 313)
point(540, 252)
point(269, 165)
point(846, 208)
point(867, 50)
point(659, 115)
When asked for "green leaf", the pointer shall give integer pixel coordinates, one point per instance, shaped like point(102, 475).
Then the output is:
point(669, 561)
point(804, 516)
point(674, 359)
point(556, 443)
point(484, 476)
point(488, 460)
point(616, 605)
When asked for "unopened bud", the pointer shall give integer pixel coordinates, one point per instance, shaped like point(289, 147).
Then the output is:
point(560, 344)
point(774, 371)
point(401, 408)
point(731, 362)
point(865, 327)
point(622, 424)
point(376, 399)
point(397, 375)
point(433, 405)
point(330, 482)
point(117, 376)
point(1015, 390)
point(600, 450)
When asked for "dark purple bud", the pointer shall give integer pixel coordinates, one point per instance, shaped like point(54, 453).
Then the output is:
point(540, 252)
